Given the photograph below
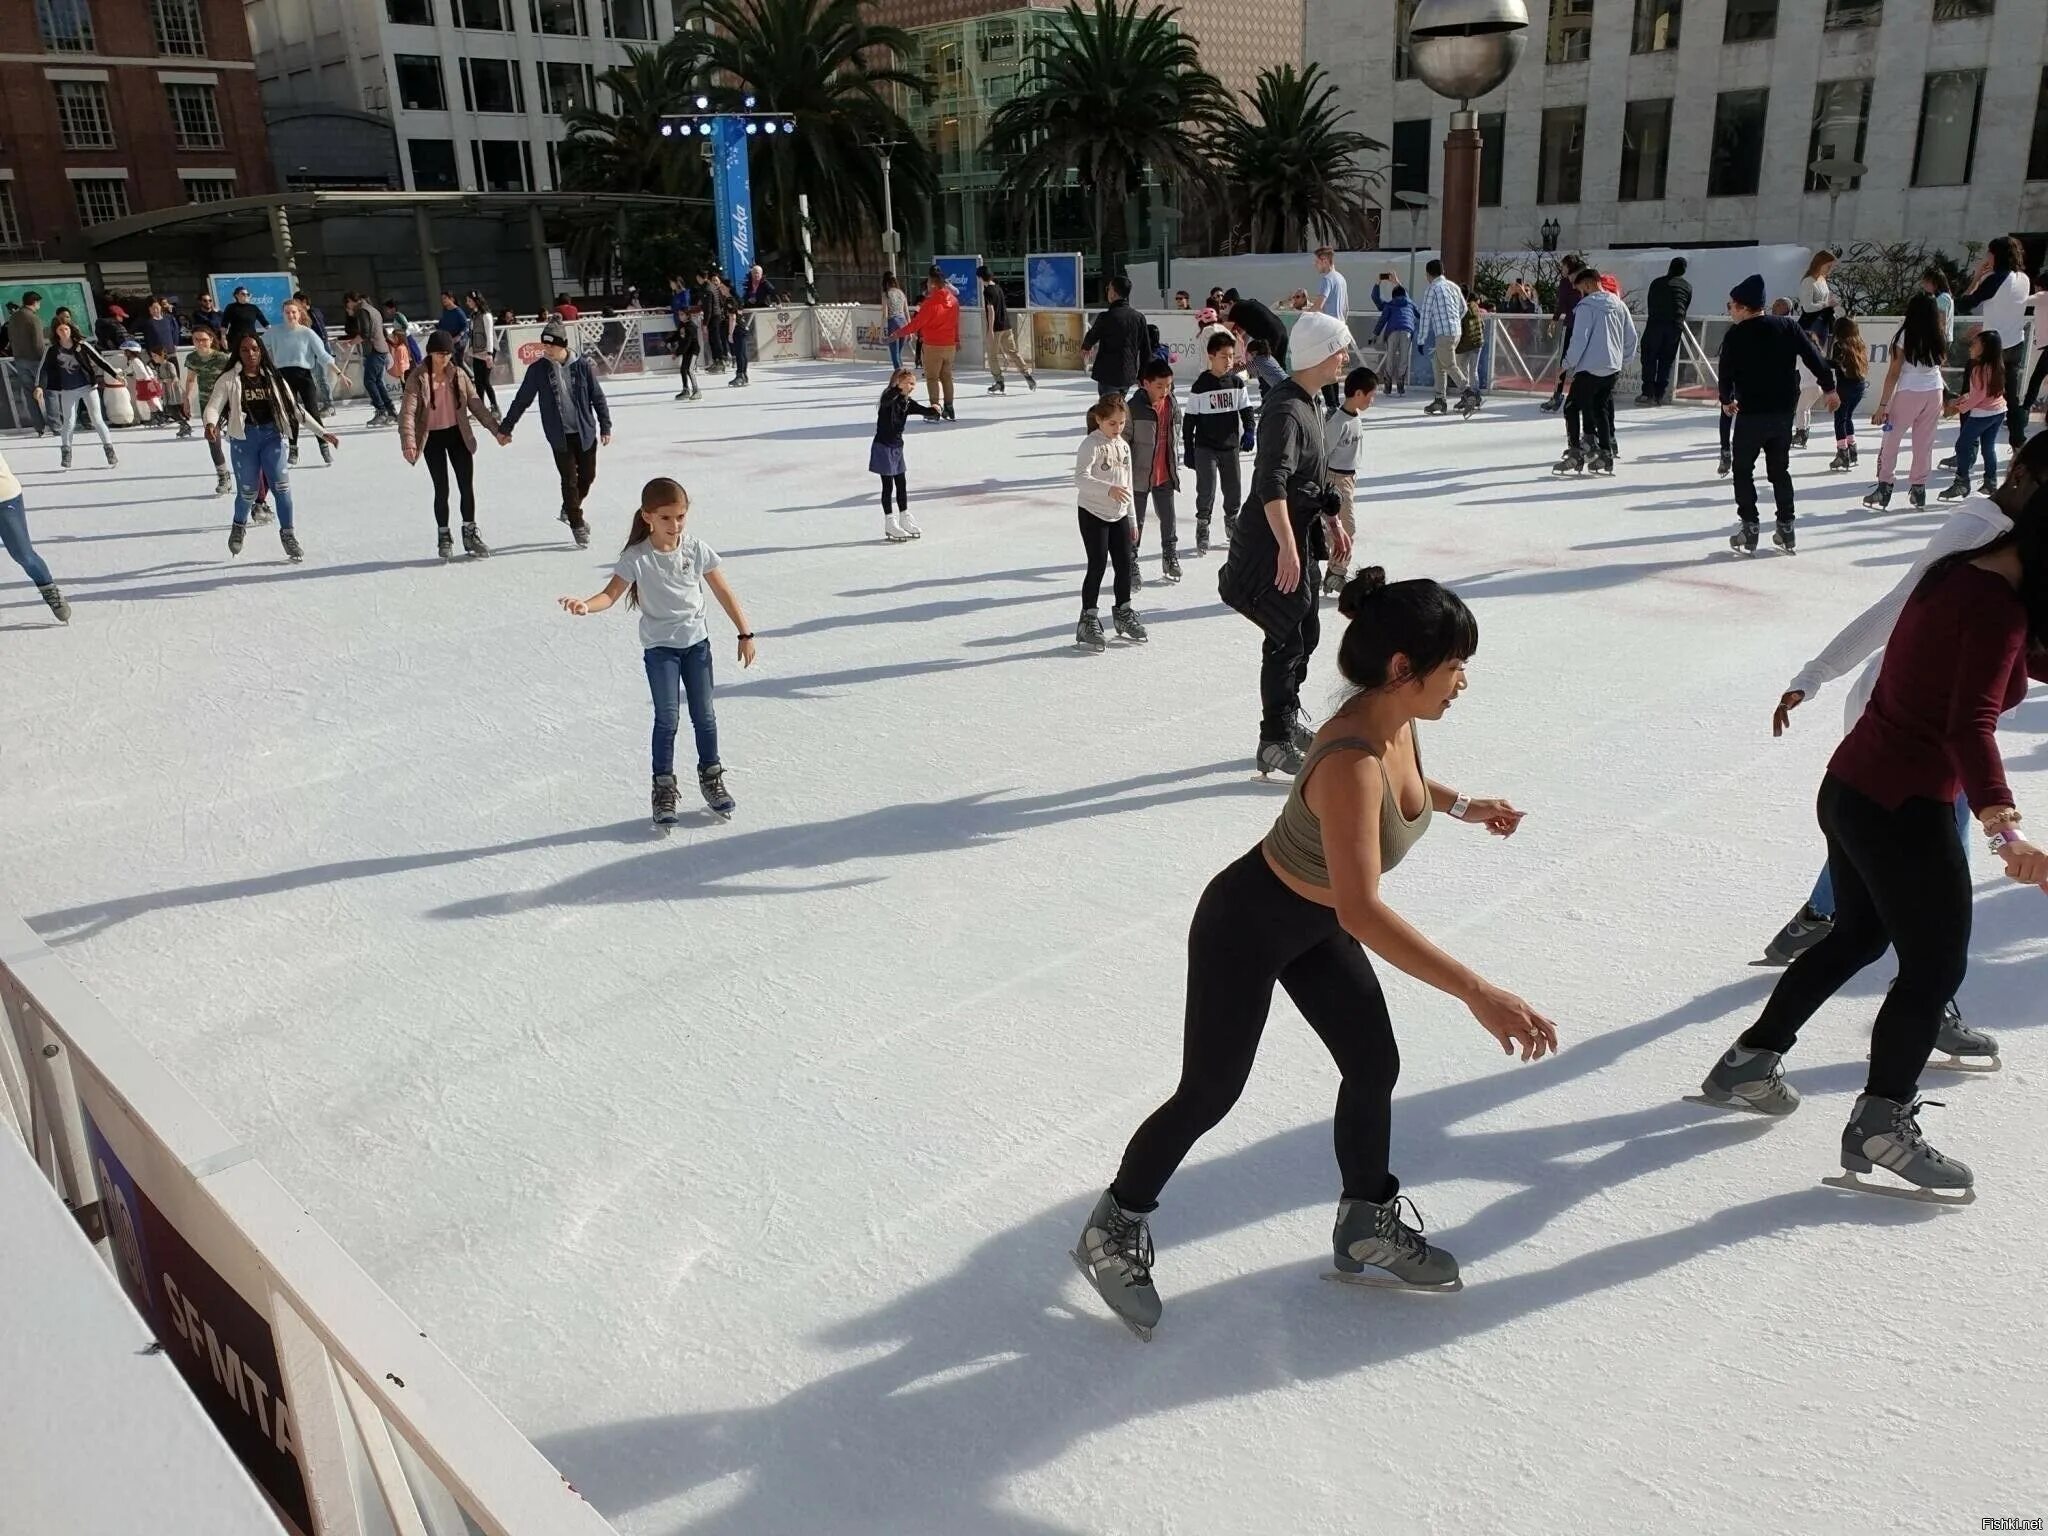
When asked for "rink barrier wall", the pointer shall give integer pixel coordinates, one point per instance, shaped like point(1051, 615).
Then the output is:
point(347, 1417)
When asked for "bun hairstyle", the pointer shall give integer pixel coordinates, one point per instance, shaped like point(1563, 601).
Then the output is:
point(1420, 619)
point(1111, 404)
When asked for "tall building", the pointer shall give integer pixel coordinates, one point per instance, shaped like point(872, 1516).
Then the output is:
point(116, 107)
point(1687, 122)
point(473, 90)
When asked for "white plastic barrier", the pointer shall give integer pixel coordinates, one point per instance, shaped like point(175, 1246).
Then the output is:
point(347, 1418)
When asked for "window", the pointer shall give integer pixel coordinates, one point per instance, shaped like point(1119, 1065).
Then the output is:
point(82, 114)
point(1571, 32)
point(481, 15)
point(1750, 21)
point(411, 13)
point(1645, 150)
point(1960, 10)
point(554, 164)
point(2037, 156)
point(194, 117)
point(1411, 156)
point(208, 189)
point(433, 165)
point(1404, 17)
point(1843, 14)
point(1948, 128)
point(101, 198)
point(492, 85)
point(419, 82)
point(66, 25)
point(10, 226)
point(1561, 155)
point(563, 86)
point(629, 18)
point(1735, 163)
point(1841, 120)
point(1493, 134)
point(1656, 26)
point(502, 165)
point(176, 23)
point(557, 18)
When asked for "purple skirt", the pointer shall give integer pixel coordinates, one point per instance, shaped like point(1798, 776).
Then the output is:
point(885, 459)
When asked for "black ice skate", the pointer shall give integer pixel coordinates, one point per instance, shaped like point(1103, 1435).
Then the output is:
point(236, 533)
point(1751, 1080)
point(1917, 496)
point(1799, 437)
point(289, 542)
point(444, 544)
point(1169, 565)
point(711, 784)
point(1806, 929)
point(1370, 1235)
point(1968, 1050)
point(1743, 539)
point(1727, 465)
point(472, 542)
point(1573, 463)
point(1115, 1254)
point(1436, 407)
point(1088, 633)
point(1201, 537)
point(997, 388)
point(1601, 463)
point(579, 530)
point(1880, 496)
point(1468, 403)
point(1784, 538)
point(664, 803)
point(1839, 464)
point(1127, 625)
point(1956, 489)
point(1884, 1133)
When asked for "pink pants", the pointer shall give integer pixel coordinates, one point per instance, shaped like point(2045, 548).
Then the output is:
point(1917, 411)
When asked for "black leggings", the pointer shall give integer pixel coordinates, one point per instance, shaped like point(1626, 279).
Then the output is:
point(1105, 542)
point(1902, 881)
point(301, 381)
point(1250, 931)
point(444, 447)
point(480, 375)
point(902, 493)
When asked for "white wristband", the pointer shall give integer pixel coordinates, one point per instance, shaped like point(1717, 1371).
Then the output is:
point(1459, 807)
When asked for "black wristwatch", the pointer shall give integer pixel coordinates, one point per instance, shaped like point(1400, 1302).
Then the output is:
point(747, 634)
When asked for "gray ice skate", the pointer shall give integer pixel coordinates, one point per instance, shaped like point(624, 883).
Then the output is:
point(1806, 929)
point(1885, 1133)
point(1969, 1050)
point(1115, 1253)
point(1128, 625)
point(1302, 734)
point(1743, 539)
point(718, 799)
point(1751, 1080)
point(1281, 757)
point(1088, 633)
point(1371, 1234)
point(664, 803)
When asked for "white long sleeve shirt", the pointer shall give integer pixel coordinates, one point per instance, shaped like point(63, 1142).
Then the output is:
point(1102, 462)
point(1973, 524)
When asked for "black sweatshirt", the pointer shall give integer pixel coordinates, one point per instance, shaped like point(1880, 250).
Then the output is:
point(893, 411)
point(1760, 365)
point(1670, 298)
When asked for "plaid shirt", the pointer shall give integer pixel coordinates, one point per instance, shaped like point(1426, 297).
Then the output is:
point(1443, 307)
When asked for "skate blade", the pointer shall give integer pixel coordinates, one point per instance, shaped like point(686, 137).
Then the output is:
point(1386, 1282)
point(1742, 1106)
point(1918, 1196)
point(1976, 1064)
point(1089, 1275)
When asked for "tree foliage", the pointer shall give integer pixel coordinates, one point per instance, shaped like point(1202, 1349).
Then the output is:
point(1293, 170)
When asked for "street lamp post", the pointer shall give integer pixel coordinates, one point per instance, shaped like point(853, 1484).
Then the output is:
point(884, 150)
point(1835, 173)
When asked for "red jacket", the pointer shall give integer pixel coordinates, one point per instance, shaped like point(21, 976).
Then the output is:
point(937, 319)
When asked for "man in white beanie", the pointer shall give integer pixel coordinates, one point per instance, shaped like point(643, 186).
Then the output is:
point(1288, 485)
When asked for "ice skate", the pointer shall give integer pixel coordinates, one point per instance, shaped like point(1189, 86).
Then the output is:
point(1436, 407)
point(1883, 1133)
point(236, 533)
point(1301, 733)
point(580, 532)
point(1373, 1235)
point(1916, 496)
point(1855, 454)
point(61, 611)
point(1282, 757)
point(1783, 536)
point(1947, 463)
point(1201, 537)
point(1987, 486)
point(1573, 463)
point(1137, 576)
point(997, 388)
point(949, 414)
point(1956, 489)
point(1806, 929)
point(63, 458)
point(261, 513)
point(1553, 405)
point(184, 430)
point(1880, 496)
point(1799, 437)
point(1727, 465)
point(1031, 382)
point(1088, 633)
point(909, 524)
point(1743, 539)
point(1125, 618)
point(289, 543)
point(113, 458)
point(223, 482)
point(291, 455)
point(1646, 399)
point(326, 453)
point(1839, 464)
point(1169, 565)
point(711, 784)
point(665, 803)
point(1115, 1253)
point(1969, 1050)
point(1751, 1080)
point(1229, 526)
point(893, 530)
point(444, 544)
point(683, 393)
point(1468, 403)
point(473, 544)
point(1333, 582)
point(1601, 463)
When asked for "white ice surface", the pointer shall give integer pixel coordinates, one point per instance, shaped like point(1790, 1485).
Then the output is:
point(740, 1169)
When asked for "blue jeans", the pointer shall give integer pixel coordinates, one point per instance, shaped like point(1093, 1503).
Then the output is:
point(673, 671)
point(375, 385)
point(1978, 429)
point(1851, 393)
point(1823, 898)
point(895, 346)
point(14, 535)
point(260, 450)
point(63, 406)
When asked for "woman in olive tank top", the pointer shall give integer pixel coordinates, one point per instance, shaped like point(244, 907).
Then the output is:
point(1301, 909)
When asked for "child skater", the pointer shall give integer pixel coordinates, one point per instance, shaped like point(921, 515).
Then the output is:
point(204, 365)
point(686, 356)
point(664, 575)
point(1102, 480)
point(1982, 407)
point(169, 392)
point(1851, 358)
point(885, 457)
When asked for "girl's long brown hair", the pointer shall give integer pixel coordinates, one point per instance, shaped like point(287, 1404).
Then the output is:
point(1822, 258)
point(1852, 354)
point(1111, 404)
point(658, 492)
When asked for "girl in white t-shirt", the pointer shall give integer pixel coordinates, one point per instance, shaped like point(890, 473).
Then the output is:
point(665, 576)
point(1102, 485)
point(1910, 400)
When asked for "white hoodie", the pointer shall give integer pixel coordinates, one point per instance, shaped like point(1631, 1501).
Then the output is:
point(1973, 524)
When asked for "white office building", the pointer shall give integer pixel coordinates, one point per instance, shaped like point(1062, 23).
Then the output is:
point(1683, 122)
point(474, 90)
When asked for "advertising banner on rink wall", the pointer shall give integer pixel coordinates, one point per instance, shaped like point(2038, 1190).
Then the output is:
point(1056, 338)
point(1052, 280)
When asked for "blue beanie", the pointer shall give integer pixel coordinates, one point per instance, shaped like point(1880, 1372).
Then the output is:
point(1749, 293)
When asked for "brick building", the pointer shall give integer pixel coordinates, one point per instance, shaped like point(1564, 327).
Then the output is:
point(110, 108)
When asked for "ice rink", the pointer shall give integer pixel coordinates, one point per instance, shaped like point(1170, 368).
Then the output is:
point(740, 1168)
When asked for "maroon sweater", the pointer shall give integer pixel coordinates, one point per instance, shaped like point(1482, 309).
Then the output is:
point(1957, 660)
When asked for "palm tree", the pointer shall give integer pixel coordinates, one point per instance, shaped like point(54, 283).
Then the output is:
point(1292, 167)
point(1112, 95)
point(625, 150)
point(824, 63)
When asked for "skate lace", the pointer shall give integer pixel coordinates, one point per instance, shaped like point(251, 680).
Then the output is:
point(714, 782)
point(1129, 1239)
point(1391, 1228)
point(1906, 1126)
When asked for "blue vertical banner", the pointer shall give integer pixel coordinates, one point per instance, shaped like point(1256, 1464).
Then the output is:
point(732, 196)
